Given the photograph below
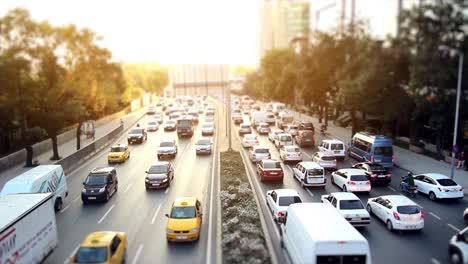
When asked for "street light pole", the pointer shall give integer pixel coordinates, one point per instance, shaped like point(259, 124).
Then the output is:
point(457, 109)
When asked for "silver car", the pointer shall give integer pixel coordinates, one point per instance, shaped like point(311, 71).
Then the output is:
point(258, 153)
point(203, 146)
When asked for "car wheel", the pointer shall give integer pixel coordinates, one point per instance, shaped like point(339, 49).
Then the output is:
point(389, 225)
point(432, 196)
point(262, 178)
point(455, 256)
point(147, 189)
point(116, 188)
point(369, 209)
point(58, 204)
point(344, 188)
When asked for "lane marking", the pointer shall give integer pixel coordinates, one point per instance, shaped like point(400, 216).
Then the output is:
point(155, 214)
point(454, 228)
point(391, 188)
point(67, 260)
point(137, 255)
point(167, 190)
point(104, 216)
point(311, 194)
point(128, 187)
point(434, 215)
point(435, 261)
point(76, 199)
point(64, 209)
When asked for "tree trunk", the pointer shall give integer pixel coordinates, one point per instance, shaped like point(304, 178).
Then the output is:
point(353, 122)
point(78, 136)
point(326, 114)
point(320, 113)
point(29, 156)
point(55, 156)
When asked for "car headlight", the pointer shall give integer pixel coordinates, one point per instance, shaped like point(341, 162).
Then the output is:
point(165, 180)
point(102, 189)
point(83, 191)
point(168, 230)
point(194, 230)
point(147, 180)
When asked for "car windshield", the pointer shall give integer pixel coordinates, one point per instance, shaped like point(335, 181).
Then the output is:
point(203, 142)
point(447, 182)
point(329, 158)
point(386, 151)
point(293, 150)
point(250, 137)
point(166, 144)
point(117, 149)
point(307, 134)
point(91, 255)
point(96, 179)
point(183, 212)
point(207, 125)
point(315, 172)
point(157, 169)
point(350, 204)
point(152, 123)
point(408, 209)
point(271, 165)
point(287, 200)
point(359, 178)
point(285, 138)
point(262, 150)
point(377, 167)
point(293, 127)
point(307, 125)
point(136, 131)
point(170, 122)
point(336, 146)
point(245, 126)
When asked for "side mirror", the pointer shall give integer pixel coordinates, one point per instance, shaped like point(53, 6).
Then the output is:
point(167, 215)
point(282, 220)
point(84, 183)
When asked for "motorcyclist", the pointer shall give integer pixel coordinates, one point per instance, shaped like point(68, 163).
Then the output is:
point(138, 125)
point(323, 128)
point(408, 182)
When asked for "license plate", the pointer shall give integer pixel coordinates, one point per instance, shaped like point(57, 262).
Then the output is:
point(273, 173)
point(382, 176)
point(155, 184)
point(378, 160)
point(181, 237)
point(91, 198)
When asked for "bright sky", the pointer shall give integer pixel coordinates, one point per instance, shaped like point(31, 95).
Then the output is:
point(167, 31)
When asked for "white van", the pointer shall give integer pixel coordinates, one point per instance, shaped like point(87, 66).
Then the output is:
point(278, 107)
point(257, 117)
point(316, 233)
point(284, 118)
point(334, 146)
point(41, 179)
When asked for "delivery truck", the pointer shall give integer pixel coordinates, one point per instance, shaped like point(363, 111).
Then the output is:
point(28, 231)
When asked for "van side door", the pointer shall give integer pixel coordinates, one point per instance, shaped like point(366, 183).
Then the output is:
point(297, 170)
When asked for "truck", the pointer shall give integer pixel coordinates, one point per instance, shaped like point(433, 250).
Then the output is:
point(257, 117)
point(28, 230)
point(185, 126)
point(284, 118)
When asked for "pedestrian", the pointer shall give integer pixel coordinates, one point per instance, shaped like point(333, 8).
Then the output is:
point(461, 160)
point(93, 133)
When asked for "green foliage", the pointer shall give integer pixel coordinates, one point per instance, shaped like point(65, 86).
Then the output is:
point(150, 77)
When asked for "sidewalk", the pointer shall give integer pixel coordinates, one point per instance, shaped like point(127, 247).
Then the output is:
point(405, 159)
point(69, 147)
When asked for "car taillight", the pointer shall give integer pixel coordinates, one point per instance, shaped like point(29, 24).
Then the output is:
point(389, 175)
point(393, 159)
point(280, 214)
point(395, 214)
point(442, 190)
point(372, 158)
point(373, 175)
point(281, 173)
point(423, 214)
point(462, 189)
point(367, 182)
point(352, 183)
point(265, 173)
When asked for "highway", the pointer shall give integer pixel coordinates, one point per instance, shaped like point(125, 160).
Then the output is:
point(141, 213)
point(443, 218)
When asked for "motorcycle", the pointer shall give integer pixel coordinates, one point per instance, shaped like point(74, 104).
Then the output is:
point(411, 191)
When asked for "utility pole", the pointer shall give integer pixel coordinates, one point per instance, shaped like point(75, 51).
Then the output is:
point(185, 85)
point(457, 109)
point(229, 116)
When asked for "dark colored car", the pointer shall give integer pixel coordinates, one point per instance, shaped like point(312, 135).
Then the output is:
point(305, 138)
point(377, 173)
point(137, 135)
point(270, 170)
point(159, 175)
point(100, 185)
point(306, 125)
point(185, 127)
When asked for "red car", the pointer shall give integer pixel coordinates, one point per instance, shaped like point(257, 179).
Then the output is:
point(270, 170)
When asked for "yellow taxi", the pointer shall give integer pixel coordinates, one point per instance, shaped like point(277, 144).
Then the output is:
point(118, 153)
point(102, 247)
point(184, 221)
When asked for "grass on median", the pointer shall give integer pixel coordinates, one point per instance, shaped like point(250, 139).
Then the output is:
point(243, 240)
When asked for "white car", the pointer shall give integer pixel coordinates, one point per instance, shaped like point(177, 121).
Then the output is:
point(337, 147)
point(244, 128)
point(458, 247)
point(351, 180)
point(258, 153)
point(349, 206)
point(203, 146)
point(325, 159)
point(438, 186)
point(278, 201)
point(208, 128)
point(290, 153)
point(273, 135)
point(283, 140)
point(310, 173)
point(263, 128)
point(152, 126)
point(167, 147)
point(249, 140)
point(398, 212)
point(292, 129)
point(158, 118)
point(170, 125)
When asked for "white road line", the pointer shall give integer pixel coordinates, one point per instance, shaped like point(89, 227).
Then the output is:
point(155, 214)
point(73, 253)
point(137, 255)
point(76, 199)
point(167, 190)
point(64, 209)
point(311, 194)
point(104, 216)
point(391, 188)
point(453, 227)
point(435, 261)
point(434, 215)
point(128, 187)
